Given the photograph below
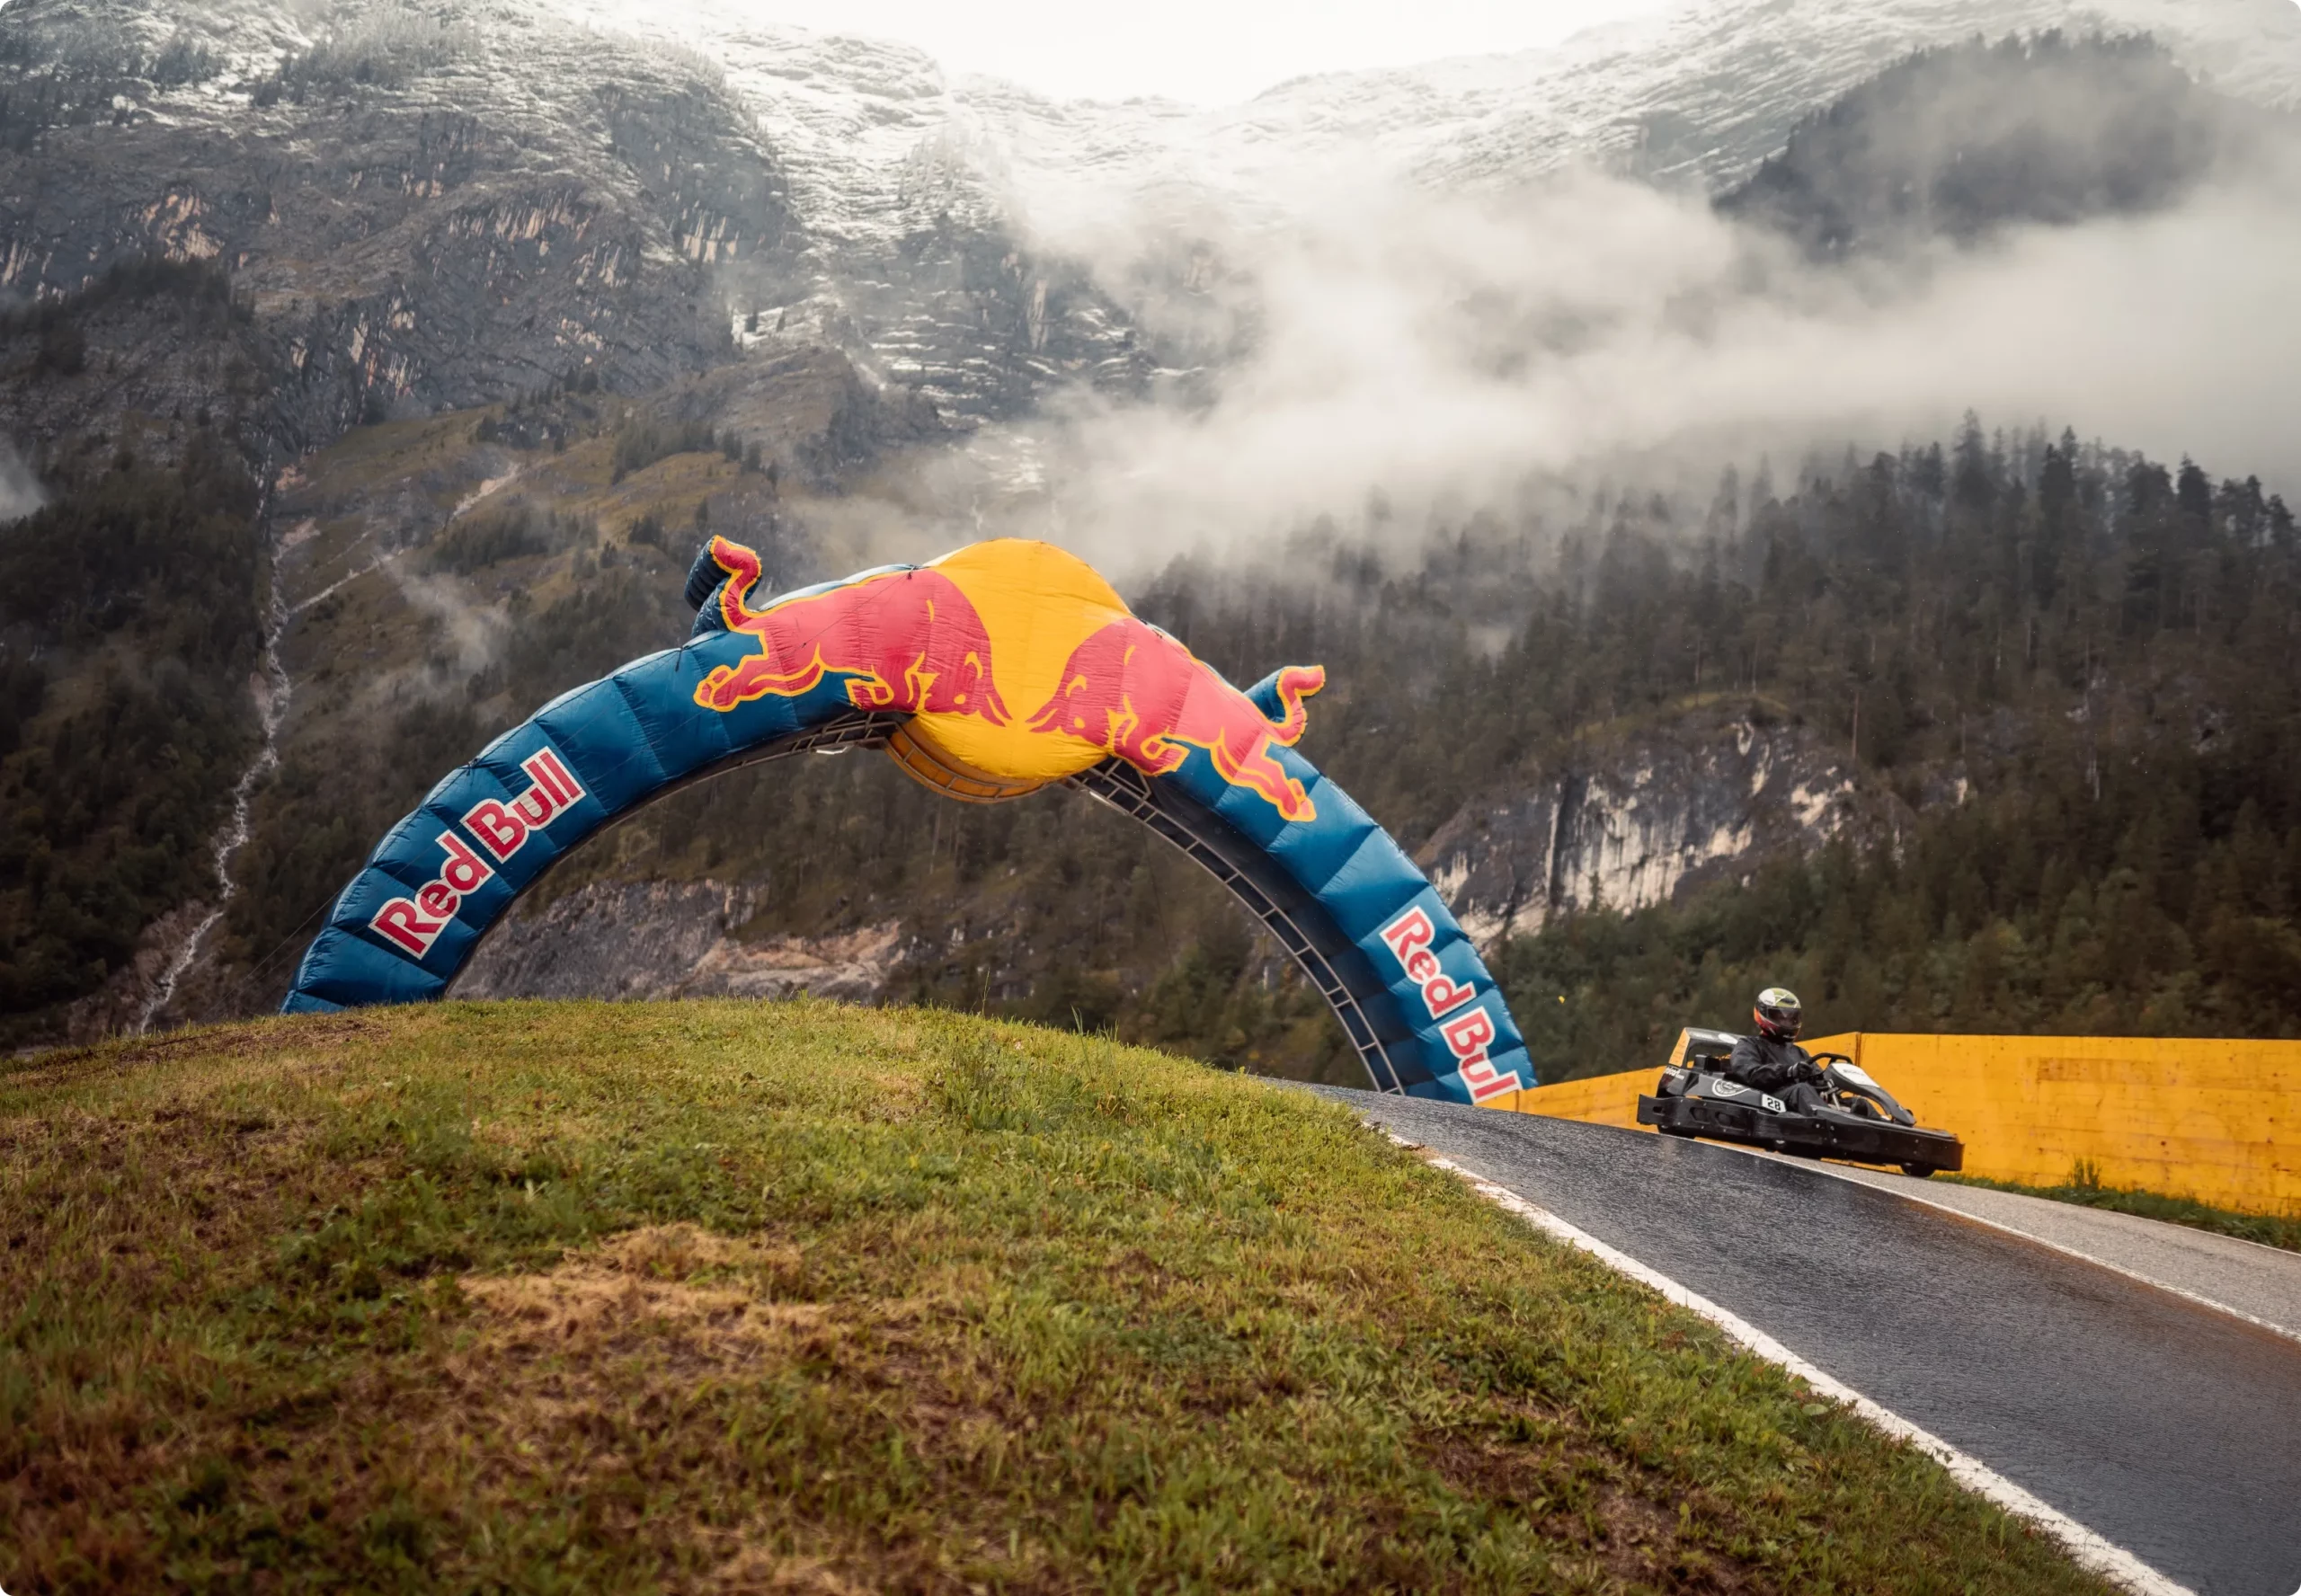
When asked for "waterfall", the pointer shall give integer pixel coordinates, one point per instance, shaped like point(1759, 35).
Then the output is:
point(270, 690)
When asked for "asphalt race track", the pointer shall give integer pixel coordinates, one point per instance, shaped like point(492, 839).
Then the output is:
point(2166, 1428)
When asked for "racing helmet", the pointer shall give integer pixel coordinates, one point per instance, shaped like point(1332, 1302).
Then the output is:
point(1779, 1014)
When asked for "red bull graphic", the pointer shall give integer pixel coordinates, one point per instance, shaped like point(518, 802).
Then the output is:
point(1468, 1040)
point(1470, 1034)
point(1133, 691)
point(1410, 937)
point(415, 923)
point(503, 829)
point(909, 639)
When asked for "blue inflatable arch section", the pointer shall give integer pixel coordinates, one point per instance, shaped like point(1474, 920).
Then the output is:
point(1365, 927)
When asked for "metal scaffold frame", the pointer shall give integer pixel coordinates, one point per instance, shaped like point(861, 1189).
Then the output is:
point(1291, 913)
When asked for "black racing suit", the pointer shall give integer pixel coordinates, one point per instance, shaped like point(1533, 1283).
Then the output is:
point(1780, 1068)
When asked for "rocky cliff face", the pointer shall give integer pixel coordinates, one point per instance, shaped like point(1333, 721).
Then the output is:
point(397, 254)
point(664, 939)
point(1642, 817)
point(428, 213)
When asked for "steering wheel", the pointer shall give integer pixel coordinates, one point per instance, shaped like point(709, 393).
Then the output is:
point(1836, 1095)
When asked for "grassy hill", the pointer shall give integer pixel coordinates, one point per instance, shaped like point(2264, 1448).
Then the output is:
point(748, 1296)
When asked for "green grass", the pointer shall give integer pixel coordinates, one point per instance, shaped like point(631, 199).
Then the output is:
point(743, 1297)
point(2085, 1188)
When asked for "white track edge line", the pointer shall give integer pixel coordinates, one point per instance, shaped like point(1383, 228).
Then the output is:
point(2089, 1551)
point(2062, 1247)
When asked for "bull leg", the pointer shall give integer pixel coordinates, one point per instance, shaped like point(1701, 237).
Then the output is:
point(755, 677)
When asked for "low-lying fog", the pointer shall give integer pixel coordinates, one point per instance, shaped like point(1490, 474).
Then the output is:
point(1448, 352)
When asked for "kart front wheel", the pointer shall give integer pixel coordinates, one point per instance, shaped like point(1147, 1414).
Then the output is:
point(1917, 1171)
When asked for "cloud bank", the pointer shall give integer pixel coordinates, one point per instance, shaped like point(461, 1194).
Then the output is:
point(1447, 352)
point(20, 489)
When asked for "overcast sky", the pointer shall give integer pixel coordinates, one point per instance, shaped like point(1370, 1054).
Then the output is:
point(1207, 51)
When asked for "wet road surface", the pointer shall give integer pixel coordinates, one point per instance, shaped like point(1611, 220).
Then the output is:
point(2246, 1277)
point(2170, 1430)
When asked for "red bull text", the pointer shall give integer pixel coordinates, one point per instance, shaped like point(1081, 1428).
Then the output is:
point(1133, 691)
point(910, 640)
point(1410, 936)
point(413, 924)
point(505, 830)
point(1467, 1036)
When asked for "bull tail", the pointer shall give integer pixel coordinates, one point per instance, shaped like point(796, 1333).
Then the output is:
point(1285, 691)
point(741, 564)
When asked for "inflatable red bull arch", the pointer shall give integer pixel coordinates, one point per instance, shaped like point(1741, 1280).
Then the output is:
point(1000, 669)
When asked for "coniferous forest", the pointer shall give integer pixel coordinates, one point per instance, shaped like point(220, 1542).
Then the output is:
point(2102, 653)
point(133, 602)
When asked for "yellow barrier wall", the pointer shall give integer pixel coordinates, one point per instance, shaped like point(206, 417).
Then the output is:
point(1601, 1100)
point(2219, 1121)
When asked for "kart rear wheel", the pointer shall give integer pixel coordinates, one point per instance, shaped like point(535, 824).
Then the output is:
point(1917, 1171)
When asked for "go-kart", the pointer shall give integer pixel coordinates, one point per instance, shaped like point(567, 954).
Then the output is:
point(1855, 1119)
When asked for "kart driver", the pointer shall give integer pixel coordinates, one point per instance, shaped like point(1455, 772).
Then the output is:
point(1772, 1060)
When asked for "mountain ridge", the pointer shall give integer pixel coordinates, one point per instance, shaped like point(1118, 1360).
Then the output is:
point(875, 154)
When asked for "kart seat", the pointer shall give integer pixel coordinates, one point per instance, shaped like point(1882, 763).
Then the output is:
point(1698, 1049)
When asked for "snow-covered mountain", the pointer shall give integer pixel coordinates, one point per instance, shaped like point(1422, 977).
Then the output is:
point(879, 143)
point(942, 231)
point(1698, 94)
